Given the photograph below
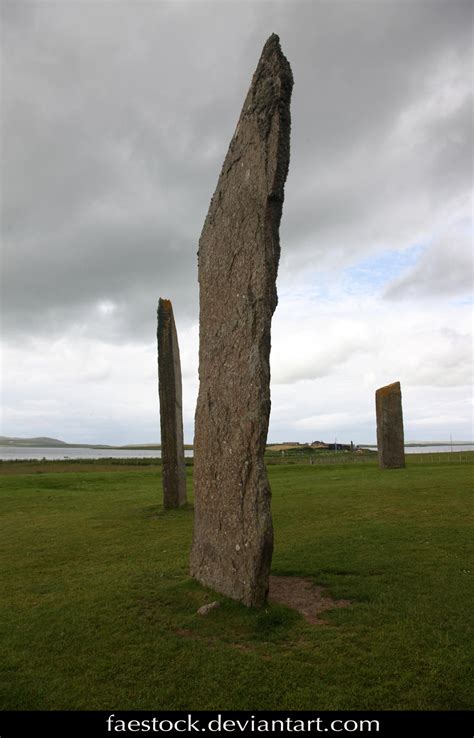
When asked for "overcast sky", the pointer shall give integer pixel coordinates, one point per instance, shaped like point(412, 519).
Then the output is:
point(116, 117)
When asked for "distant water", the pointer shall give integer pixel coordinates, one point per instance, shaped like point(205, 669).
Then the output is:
point(11, 453)
point(433, 449)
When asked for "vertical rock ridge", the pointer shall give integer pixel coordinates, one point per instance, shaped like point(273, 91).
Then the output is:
point(171, 412)
point(390, 436)
point(239, 250)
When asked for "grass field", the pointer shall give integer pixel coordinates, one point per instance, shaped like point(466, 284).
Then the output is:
point(98, 610)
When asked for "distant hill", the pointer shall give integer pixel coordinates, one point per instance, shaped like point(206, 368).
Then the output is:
point(45, 442)
point(38, 441)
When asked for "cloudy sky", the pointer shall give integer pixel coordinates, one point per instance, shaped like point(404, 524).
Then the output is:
point(116, 117)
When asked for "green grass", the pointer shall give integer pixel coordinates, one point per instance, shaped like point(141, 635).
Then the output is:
point(98, 610)
point(307, 454)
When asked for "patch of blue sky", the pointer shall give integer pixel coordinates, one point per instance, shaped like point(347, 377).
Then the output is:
point(366, 277)
point(371, 274)
point(314, 288)
point(461, 301)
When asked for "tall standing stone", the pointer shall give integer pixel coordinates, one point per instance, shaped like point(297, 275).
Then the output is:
point(390, 439)
point(239, 252)
point(171, 409)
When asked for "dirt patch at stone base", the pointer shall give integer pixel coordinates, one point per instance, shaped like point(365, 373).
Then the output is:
point(304, 596)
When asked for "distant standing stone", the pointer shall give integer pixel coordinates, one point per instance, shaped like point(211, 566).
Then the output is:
point(390, 439)
point(239, 252)
point(171, 412)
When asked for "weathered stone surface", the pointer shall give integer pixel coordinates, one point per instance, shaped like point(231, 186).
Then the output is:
point(239, 252)
point(206, 609)
point(390, 439)
point(171, 413)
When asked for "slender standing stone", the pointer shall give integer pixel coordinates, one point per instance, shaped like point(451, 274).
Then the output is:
point(171, 409)
point(239, 252)
point(390, 440)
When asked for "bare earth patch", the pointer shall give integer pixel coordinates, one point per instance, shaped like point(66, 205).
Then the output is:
point(302, 595)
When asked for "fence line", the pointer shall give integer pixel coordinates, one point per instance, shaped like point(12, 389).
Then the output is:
point(453, 457)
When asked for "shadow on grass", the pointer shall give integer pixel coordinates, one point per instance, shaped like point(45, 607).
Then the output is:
point(158, 511)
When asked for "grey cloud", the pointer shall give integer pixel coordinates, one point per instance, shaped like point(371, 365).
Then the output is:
point(116, 120)
point(444, 270)
point(447, 363)
point(355, 181)
point(316, 362)
point(77, 295)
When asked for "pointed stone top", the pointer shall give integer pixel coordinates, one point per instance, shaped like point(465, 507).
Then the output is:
point(272, 53)
point(271, 47)
point(164, 313)
point(164, 304)
point(394, 387)
point(269, 96)
point(272, 42)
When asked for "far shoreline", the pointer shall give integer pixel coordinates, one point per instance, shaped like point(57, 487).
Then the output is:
point(283, 446)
